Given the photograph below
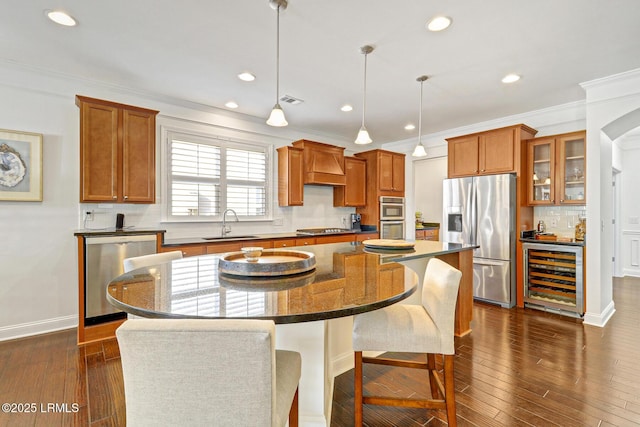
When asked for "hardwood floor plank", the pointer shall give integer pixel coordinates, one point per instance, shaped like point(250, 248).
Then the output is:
point(518, 367)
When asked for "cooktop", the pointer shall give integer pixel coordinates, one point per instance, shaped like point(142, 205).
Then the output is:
point(320, 231)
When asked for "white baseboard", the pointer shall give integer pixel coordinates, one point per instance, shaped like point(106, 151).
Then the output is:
point(37, 328)
point(600, 319)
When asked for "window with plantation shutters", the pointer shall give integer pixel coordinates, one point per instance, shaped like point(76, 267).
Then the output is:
point(207, 175)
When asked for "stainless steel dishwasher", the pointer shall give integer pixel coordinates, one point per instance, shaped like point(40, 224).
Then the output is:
point(103, 262)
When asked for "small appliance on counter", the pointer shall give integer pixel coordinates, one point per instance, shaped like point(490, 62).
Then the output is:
point(356, 218)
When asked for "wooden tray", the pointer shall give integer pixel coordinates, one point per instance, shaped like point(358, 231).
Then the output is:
point(388, 244)
point(267, 283)
point(272, 262)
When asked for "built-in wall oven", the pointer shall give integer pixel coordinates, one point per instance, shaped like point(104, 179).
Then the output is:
point(392, 218)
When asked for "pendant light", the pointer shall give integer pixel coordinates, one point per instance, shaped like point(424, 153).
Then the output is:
point(276, 118)
point(419, 150)
point(363, 135)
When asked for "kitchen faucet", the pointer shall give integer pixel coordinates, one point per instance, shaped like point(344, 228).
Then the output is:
point(225, 228)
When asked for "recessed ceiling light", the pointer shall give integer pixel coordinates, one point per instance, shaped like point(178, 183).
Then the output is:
point(61, 18)
point(231, 104)
point(410, 126)
point(510, 78)
point(439, 23)
point(246, 76)
point(346, 108)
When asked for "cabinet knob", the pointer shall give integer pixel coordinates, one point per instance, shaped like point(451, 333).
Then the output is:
point(184, 253)
point(126, 197)
point(284, 245)
point(561, 200)
point(114, 197)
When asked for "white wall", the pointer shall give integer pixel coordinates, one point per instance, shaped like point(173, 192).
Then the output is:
point(38, 259)
point(629, 217)
point(609, 102)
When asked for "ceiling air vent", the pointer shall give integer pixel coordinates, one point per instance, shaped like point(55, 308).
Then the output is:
point(290, 100)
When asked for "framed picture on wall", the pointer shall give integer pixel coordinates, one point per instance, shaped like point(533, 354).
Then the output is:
point(20, 166)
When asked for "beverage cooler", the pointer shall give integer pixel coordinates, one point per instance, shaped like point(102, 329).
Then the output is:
point(553, 278)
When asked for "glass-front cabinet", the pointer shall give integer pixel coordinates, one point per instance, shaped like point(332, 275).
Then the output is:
point(571, 168)
point(556, 169)
point(542, 171)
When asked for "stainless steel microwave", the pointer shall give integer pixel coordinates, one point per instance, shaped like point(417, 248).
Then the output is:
point(392, 208)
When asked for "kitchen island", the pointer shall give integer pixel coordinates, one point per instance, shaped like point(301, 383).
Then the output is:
point(309, 309)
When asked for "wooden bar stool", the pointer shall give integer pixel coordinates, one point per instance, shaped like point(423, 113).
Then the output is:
point(426, 328)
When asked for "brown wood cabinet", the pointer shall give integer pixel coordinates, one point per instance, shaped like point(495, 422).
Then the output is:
point(485, 153)
point(428, 234)
point(556, 172)
point(117, 152)
point(290, 177)
point(385, 177)
point(354, 192)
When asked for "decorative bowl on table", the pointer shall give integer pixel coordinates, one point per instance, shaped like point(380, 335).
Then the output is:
point(252, 253)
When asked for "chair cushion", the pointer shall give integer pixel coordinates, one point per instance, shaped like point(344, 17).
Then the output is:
point(288, 368)
point(400, 327)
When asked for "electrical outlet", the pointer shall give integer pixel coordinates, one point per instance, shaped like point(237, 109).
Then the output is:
point(278, 221)
point(89, 216)
point(553, 222)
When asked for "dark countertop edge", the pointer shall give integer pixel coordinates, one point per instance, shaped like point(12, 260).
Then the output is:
point(422, 252)
point(293, 234)
point(552, 242)
point(114, 232)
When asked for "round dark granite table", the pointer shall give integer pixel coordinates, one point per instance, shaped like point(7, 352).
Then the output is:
point(347, 280)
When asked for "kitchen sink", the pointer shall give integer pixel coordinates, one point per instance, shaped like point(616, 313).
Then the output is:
point(230, 237)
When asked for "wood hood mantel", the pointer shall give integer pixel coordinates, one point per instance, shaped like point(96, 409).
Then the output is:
point(323, 164)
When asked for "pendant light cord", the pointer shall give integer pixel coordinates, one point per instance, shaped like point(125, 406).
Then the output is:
point(364, 89)
point(278, 55)
point(420, 117)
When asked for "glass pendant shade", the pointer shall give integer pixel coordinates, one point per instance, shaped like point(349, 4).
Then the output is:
point(276, 118)
point(419, 151)
point(363, 136)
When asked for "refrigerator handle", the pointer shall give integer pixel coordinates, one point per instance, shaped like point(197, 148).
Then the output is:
point(473, 212)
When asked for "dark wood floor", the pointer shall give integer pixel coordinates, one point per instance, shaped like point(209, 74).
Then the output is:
point(517, 368)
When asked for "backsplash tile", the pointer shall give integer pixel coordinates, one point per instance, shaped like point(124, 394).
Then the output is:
point(560, 220)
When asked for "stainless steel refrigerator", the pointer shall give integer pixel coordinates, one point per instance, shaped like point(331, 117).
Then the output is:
point(482, 210)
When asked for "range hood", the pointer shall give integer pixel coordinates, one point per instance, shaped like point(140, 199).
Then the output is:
point(323, 164)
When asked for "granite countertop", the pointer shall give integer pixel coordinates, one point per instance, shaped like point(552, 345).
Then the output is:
point(293, 298)
point(553, 242)
point(265, 236)
point(113, 232)
point(309, 296)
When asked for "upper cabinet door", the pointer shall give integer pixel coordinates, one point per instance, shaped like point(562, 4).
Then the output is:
point(354, 192)
point(571, 168)
point(541, 174)
point(138, 157)
point(290, 176)
point(98, 153)
point(497, 151)
point(463, 156)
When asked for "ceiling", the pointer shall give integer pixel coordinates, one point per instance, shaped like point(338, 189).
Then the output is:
point(193, 50)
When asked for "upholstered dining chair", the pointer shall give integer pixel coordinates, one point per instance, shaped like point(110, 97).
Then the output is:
point(407, 328)
point(215, 372)
point(151, 259)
